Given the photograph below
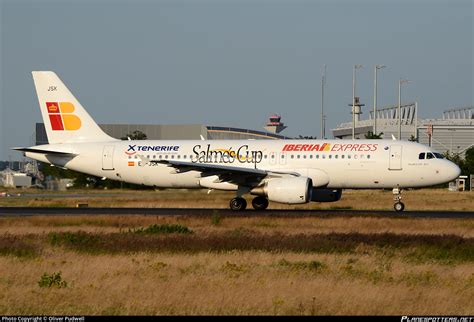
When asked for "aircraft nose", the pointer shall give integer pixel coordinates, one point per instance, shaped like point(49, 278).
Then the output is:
point(452, 171)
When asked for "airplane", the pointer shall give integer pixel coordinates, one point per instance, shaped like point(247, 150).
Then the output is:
point(283, 171)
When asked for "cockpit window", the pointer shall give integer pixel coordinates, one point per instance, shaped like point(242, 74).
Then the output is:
point(430, 155)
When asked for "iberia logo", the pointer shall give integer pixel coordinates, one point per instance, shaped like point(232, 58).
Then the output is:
point(61, 116)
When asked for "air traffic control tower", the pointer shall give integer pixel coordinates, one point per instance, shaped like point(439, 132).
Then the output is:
point(274, 124)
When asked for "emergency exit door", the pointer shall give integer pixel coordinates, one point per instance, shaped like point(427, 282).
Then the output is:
point(108, 157)
point(395, 158)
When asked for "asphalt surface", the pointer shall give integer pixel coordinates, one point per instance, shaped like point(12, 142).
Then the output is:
point(40, 211)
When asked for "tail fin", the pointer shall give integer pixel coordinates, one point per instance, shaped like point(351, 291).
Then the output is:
point(64, 118)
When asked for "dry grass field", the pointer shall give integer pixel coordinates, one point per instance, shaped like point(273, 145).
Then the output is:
point(226, 265)
point(420, 199)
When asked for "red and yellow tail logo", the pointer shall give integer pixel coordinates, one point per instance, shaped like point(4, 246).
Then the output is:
point(61, 116)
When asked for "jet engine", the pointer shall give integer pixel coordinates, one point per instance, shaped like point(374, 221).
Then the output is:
point(286, 190)
point(326, 195)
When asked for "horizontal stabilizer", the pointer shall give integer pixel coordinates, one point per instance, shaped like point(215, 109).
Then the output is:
point(44, 151)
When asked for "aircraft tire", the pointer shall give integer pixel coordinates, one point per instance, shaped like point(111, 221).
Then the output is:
point(260, 203)
point(399, 206)
point(238, 204)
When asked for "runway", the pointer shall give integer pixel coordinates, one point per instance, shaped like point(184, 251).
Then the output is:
point(47, 211)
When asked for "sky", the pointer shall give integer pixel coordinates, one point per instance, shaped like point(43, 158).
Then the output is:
point(232, 63)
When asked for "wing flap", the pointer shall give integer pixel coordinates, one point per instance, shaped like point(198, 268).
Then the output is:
point(209, 167)
point(245, 176)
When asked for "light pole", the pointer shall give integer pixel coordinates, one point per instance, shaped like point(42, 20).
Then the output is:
point(377, 67)
point(452, 131)
point(400, 82)
point(353, 98)
point(323, 121)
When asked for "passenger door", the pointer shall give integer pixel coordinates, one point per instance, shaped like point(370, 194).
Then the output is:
point(108, 158)
point(395, 158)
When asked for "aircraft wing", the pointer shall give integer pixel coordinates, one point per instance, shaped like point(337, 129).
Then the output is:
point(245, 176)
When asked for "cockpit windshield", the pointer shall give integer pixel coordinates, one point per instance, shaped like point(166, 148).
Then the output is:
point(430, 155)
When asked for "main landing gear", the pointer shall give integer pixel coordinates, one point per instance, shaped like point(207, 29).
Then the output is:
point(239, 203)
point(260, 203)
point(397, 197)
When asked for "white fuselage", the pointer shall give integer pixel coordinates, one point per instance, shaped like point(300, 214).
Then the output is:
point(335, 164)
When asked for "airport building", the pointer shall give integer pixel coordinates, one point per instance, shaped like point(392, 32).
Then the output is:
point(453, 131)
point(14, 179)
point(184, 131)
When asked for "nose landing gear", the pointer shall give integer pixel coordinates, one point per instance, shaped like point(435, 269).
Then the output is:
point(397, 197)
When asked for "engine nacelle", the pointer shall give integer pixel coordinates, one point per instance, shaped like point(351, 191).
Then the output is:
point(286, 190)
point(326, 195)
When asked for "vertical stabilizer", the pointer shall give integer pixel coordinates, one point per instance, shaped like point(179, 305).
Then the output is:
point(65, 120)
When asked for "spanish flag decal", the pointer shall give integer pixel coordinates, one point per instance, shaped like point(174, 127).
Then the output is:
point(131, 163)
point(61, 116)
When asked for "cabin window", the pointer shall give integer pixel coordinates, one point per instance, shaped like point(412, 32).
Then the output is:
point(166, 156)
point(430, 155)
point(348, 156)
point(368, 156)
point(324, 156)
point(265, 156)
point(421, 156)
point(336, 156)
point(298, 156)
point(304, 156)
point(310, 156)
point(179, 156)
point(282, 156)
point(292, 156)
point(342, 156)
point(330, 156)
point(273, 156)
point(317, 156)
point(184, 156)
